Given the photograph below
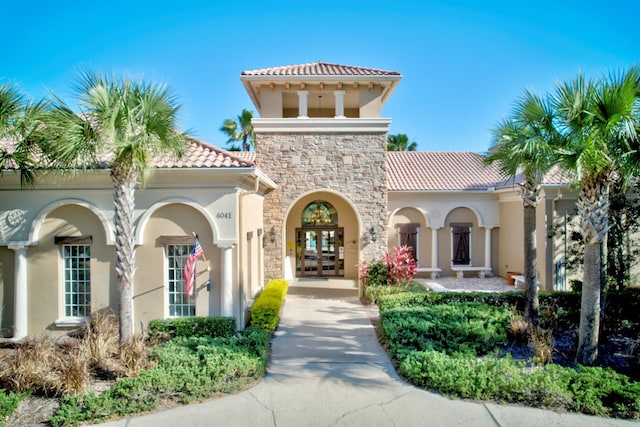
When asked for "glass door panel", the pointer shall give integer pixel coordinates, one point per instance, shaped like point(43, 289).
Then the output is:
point(319, 252)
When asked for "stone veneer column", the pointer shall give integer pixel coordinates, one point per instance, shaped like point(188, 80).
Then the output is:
point(353, 165)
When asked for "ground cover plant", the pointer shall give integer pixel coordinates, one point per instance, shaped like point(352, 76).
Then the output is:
point(187, 369)
point(90, 377)
point(468, 345)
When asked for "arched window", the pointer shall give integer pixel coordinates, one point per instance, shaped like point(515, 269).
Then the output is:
point(319, 213)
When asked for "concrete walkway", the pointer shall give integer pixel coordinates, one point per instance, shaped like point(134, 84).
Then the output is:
point(327, 369)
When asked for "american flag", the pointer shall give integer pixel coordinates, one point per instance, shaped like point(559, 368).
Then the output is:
point(189, 271)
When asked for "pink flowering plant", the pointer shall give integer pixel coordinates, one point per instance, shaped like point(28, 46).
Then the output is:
point(401, 266)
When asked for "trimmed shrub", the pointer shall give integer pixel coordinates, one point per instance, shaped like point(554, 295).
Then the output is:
point(471, 329)
point(377, 274)
point(265, 311)
point(436, 338)
point(374, 293)
point(165, 329)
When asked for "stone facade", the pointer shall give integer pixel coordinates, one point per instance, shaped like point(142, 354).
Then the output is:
point(351, 164)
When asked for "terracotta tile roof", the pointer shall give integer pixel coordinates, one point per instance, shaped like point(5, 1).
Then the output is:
point(319, 69)
point(199, 154)
point(249, 156)
point(434, 170)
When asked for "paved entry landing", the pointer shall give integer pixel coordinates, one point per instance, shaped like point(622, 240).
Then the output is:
point(330, 288)
point(327, 369)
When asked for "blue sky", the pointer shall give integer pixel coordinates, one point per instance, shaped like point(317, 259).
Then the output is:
point(463, 62)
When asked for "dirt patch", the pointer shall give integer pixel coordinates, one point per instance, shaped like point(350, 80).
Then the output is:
point(35, 411)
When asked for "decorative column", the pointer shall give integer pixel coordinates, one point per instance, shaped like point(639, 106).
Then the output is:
point(302, 104)
point(434, 252)
point(227, 281)
point(339, 94)
point(20, 306)
point(487, 250)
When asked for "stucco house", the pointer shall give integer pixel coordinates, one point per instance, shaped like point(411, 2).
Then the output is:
point(318, 196)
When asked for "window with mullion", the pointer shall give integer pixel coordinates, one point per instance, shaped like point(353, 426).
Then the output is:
point(180, 305)
point(77, 280)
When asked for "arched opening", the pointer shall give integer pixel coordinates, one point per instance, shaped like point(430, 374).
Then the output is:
point(322, 237)
point(319, 242)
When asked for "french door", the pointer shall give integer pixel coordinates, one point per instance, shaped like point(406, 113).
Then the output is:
point(320, 252)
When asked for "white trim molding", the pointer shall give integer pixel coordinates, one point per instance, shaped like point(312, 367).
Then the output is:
point(321, 125)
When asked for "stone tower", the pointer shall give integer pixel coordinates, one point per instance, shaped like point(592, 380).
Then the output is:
point(321, 138)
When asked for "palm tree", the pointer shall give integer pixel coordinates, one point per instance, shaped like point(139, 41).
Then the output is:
point(400, 142)
point(524, 144)
point(129, 122)
point(240, 130)
point(21, 130)
point(598, 118)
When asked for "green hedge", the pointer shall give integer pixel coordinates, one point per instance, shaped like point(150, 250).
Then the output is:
point(436, 339)
point(590, 390)
point(562, 308)
point(377, 274)
point(265, 311)
point(374, 292)
point(192, 326)
point(466, 328)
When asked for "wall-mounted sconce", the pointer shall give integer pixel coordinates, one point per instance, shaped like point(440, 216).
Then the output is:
point(374, 234)
point(272, 234)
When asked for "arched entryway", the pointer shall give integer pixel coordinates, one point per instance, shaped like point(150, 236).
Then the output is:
point(319, 242)
point(322, 235)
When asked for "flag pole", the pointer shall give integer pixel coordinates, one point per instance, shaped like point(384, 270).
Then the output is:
point(195, 236)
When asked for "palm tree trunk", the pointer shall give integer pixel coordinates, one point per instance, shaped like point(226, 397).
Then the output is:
point(590, 306)
point(532, 308)
point(124, 180)
point(593, 207)
point(530, 193)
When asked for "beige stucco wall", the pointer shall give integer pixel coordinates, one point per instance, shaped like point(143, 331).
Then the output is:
point(46, 303)
point(436, 211)
point(565, 212)
point(412, 216)
point(511, 255)
point(250, 253)
point(6, 291)
point(360, 101)
point(151, 285)
point(175, 202)
point(460, 215)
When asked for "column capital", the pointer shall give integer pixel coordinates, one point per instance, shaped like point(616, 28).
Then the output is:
point(17, 246)
point(226, 244)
